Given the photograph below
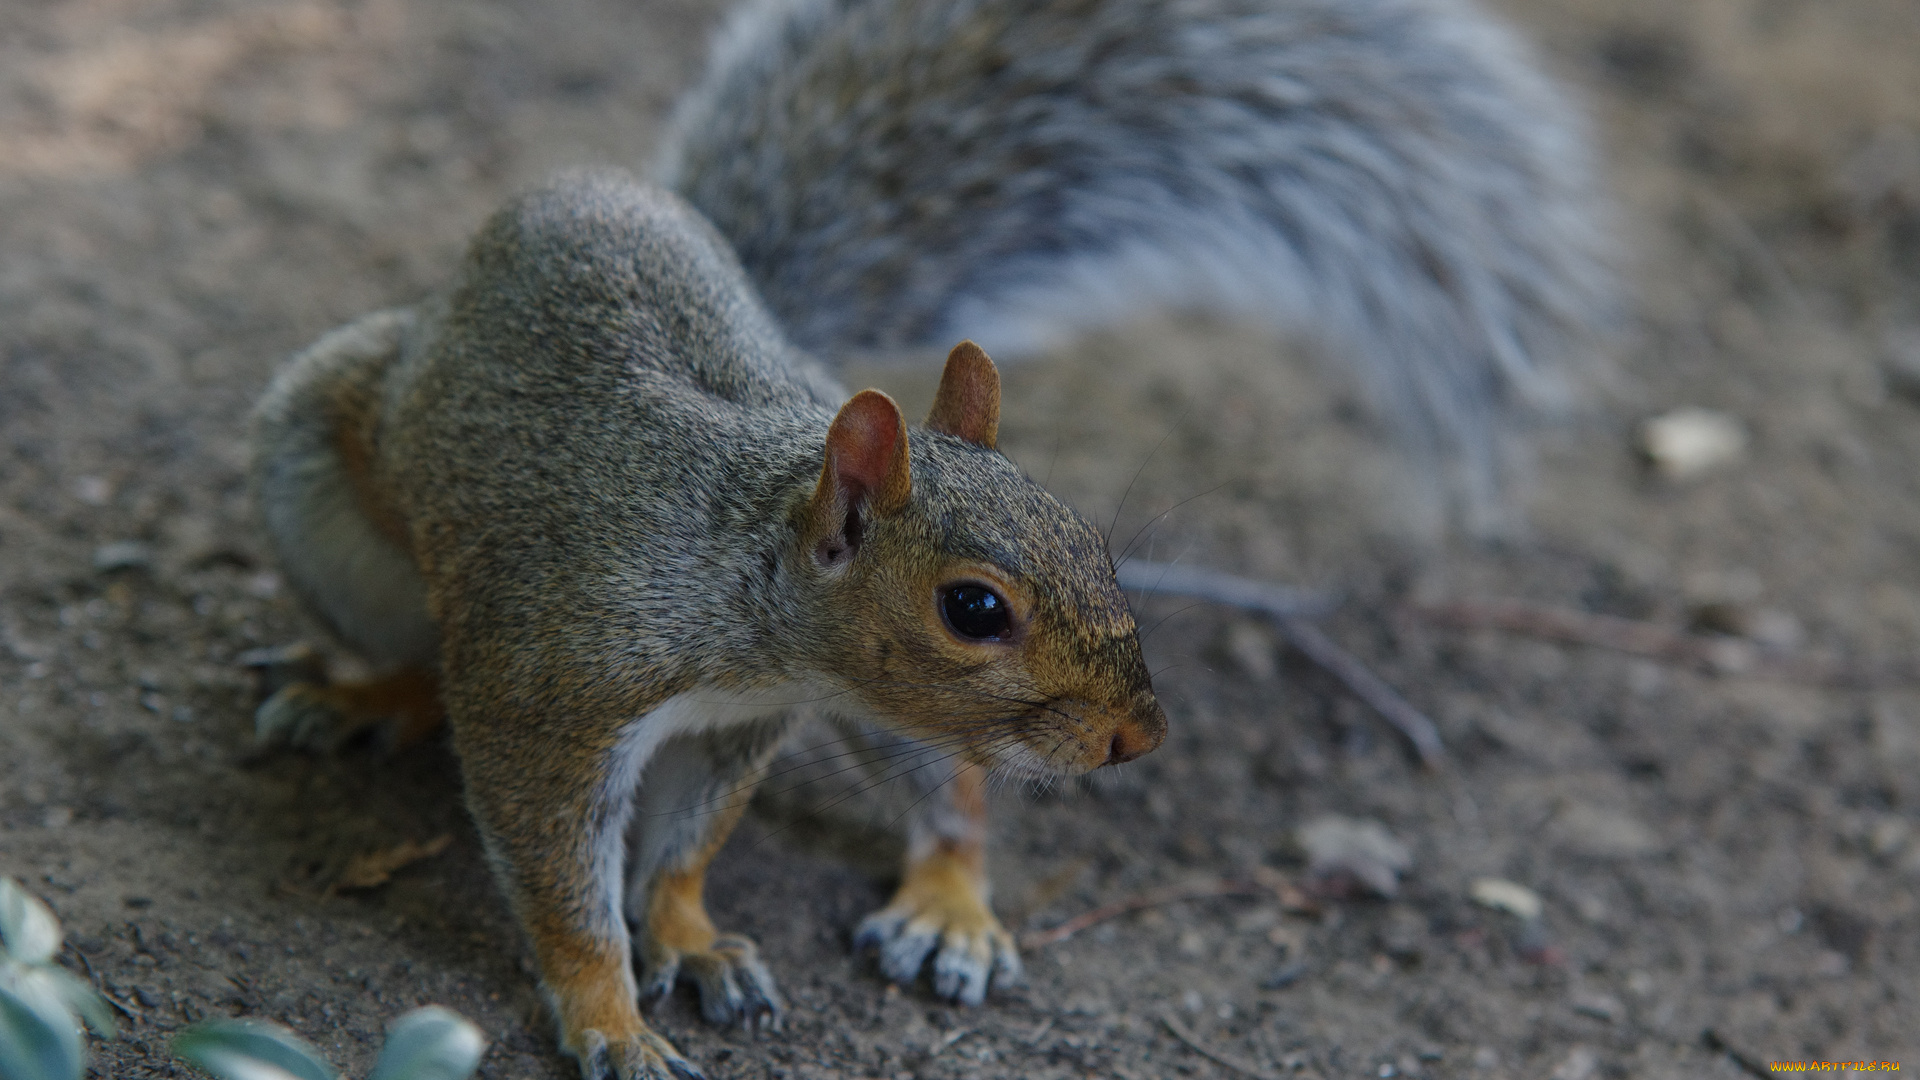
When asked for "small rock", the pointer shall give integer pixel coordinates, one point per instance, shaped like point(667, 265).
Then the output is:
point(1599, 1006)
point(1580, 1064)
point(1403, 935)
point(93, 490)
point(122, 555)
point(57, 817)
point(1767, 626)
point(1285, 977)
point(1690, 442)
point(1901, 367)
point(1256, 920)
point(1888, 837)
point(1358, 849)
point(1503, 895)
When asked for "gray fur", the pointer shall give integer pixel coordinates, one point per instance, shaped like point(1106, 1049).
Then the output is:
point(677, 433)
point(367, 589)
point(1392, 176)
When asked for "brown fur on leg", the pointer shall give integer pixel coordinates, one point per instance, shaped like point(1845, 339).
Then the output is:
point(681, 939)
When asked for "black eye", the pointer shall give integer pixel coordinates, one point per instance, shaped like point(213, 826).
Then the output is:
point(976, 612)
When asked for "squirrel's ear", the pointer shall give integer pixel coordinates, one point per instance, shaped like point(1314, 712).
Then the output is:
point(866, 464)
point(968, 404)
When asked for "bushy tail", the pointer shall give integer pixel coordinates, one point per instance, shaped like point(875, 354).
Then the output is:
point(1392, 176)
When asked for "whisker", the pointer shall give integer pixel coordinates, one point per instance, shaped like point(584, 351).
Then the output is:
point(883, 754)
point(1151, 522)
point(1107, 539)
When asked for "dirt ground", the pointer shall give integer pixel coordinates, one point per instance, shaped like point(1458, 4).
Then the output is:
point(190, 189)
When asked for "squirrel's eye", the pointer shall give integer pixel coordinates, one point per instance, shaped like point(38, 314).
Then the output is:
point(976, 612)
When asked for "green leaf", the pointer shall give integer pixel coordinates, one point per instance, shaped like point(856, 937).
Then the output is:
point(28, 931)
point(80, 998)
point(38, 1040)
point(430, 1043)
point(251, 1050)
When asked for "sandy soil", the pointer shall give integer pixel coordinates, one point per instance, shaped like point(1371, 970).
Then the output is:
point(190, 189)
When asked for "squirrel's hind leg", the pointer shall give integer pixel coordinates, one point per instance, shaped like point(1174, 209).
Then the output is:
point(397, 710)
point(694, 791)
point(339, 542)
point(942, 909)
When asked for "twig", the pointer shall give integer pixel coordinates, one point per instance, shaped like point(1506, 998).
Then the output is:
point(1277, 601)
point(1226, 1061)
point(1289, 609)
point(1748, 1064)
point(1721, 656)
point(1361, 682)
point(100, 987)
point(1744, 237)
point(947, 1040)
point(1039, 939)
point(126, 1010)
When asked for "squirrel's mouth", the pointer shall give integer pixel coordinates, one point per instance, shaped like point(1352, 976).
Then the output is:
point(1072, 737)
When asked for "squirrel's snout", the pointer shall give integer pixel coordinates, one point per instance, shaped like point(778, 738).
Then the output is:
point(1138, 733)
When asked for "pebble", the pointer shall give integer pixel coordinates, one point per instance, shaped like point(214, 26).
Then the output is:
point(93, 490)
point(1285, 977)
point(1360, 847)
point(1901, 365)
point(1599, 1006)
point(1691, 442)
point(1580, 1063)
point(1503, 895)
point(122, 555)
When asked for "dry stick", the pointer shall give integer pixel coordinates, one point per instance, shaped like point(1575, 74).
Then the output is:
point(1747, 1062)
point(1411, 723)
point(1278, 601)
point(1289, 609)
point(1227, 1061)
point(1632, 636)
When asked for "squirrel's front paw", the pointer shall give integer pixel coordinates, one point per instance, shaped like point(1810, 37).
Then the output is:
point(640, 1056)
point(944, 915)
point(733, 984)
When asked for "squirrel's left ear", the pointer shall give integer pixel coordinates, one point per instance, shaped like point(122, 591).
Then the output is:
point(968, 404)
point(866, 473)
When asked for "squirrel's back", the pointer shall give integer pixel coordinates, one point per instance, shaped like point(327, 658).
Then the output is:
point(1394, 177)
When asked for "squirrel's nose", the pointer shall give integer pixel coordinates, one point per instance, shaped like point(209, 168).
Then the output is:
point(1138, 733)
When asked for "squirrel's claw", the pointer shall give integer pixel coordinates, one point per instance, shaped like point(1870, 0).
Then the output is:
point(298, 715)
point(968, 953)
point(643, 1056)
point(733, 984)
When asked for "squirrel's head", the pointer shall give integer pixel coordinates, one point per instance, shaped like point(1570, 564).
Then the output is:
point(962, 602)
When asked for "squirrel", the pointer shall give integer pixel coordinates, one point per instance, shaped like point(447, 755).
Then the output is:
point(599, 508)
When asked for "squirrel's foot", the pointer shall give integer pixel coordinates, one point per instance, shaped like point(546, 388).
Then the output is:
point(941, 910)
point(642, 1055)
point(397, 711)
point(303, 716)
point(734, 986)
